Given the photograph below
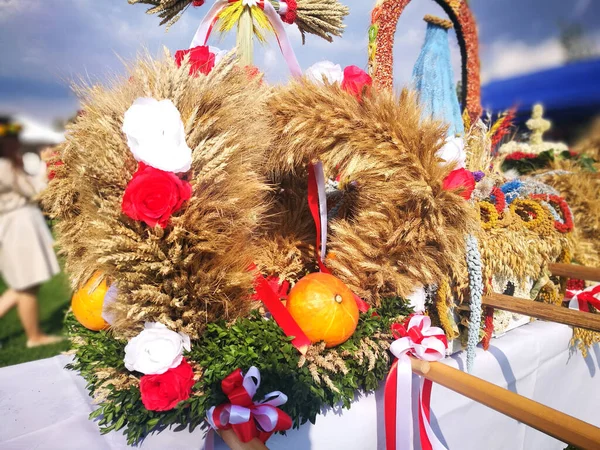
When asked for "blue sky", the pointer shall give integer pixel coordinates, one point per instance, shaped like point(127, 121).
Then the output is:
point(44, 45)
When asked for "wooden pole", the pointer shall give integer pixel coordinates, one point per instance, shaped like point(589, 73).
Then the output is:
point(544, 311)
point(575, 271)
point(232, 441)
point(547, 420)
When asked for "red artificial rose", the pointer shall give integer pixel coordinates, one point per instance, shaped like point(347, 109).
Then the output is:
point(163, 392)
point(201, 59)
point(153, 195)
point(460, 179)
point(291, 13)
point(198, 3)
point(50, 157)
point(355, 80)
point(51, 173)
point(252, 72)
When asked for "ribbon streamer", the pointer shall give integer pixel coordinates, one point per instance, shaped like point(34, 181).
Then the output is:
point(249, 419)
point(317, 203)
point(425, 342)
point(580, 300)
point(272, 301)
point(208, 22)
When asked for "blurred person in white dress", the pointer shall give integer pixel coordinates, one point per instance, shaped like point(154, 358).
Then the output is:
point(27, 257)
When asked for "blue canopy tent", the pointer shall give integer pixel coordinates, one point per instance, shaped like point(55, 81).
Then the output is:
point(570, 95)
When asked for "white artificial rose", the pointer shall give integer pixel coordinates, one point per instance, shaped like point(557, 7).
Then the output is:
point(327, 70)
point(156, 136)
point(156, 349)
point(219, 54)
point(417, 299)
point(453, 151)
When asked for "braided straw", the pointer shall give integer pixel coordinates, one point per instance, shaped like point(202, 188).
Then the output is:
point(443, 310)
point(434, 20)
point(476, 288)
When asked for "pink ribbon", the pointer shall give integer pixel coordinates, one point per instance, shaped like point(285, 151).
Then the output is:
point(249, 419)
point(208, 22)
point(421, 340)
point(580, 300)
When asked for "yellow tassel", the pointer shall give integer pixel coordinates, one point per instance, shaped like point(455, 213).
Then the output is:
point(466, 120)
point(443, 311)
point(233, 14)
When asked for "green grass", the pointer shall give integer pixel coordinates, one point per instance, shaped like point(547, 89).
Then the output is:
point(54, 299)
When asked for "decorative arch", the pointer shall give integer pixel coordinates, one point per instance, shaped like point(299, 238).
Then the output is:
point(384, 20)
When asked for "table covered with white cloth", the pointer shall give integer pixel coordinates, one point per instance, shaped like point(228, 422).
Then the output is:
point(44, 406)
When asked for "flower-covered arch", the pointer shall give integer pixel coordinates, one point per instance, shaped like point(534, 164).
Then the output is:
point(384, 19)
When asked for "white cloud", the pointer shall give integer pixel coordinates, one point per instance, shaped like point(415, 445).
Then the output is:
point(269, 59)
point(504, 59)
point(10, 8)
point(581, 7)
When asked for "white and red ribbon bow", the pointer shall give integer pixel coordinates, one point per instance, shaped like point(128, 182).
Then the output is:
point(207, 24)
point(419, 339)
point(581, 300)
point(249, 419)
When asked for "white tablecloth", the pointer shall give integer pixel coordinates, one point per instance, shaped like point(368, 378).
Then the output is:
point(43, 406)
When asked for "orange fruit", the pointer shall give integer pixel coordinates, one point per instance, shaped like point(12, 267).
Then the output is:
point(87, 304)
point(324, 308)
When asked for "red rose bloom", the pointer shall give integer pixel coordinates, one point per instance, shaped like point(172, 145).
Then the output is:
point(291, 15)
point(201, 59)
point(252, 72)
point(355, 80)
point(153, 195)
point(460, 179)
point(163, 392)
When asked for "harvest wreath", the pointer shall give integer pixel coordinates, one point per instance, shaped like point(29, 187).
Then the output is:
point(160, 244)
point(245, 255)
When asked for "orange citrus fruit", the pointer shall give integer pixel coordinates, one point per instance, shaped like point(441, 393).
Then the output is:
point(87, 304)
point(324, 308)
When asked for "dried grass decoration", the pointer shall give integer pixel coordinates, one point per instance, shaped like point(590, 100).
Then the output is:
point(191, 269)
point(323, 18)
point(398, 227)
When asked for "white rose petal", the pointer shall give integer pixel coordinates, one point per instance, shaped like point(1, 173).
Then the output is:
point(327, 70)
point(155, 350)
point(453, 151)
point(156, 136)
point(219, 54)
point(417, 299)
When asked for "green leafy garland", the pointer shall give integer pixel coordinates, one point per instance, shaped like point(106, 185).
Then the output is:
point(525, 163)
point(252, 341)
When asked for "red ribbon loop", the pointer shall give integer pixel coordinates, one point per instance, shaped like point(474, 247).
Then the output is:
point(418, 338)
point(246, 418)
point(583, 299)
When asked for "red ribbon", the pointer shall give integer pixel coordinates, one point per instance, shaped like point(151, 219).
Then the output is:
point(247, 419)
point(585, 298)
point(418, 338)
point(272, 301)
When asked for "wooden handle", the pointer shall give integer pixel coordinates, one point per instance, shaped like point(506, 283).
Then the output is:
point(575, 271)
point(232, 441)
point(547, 420)
point(552, 313)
